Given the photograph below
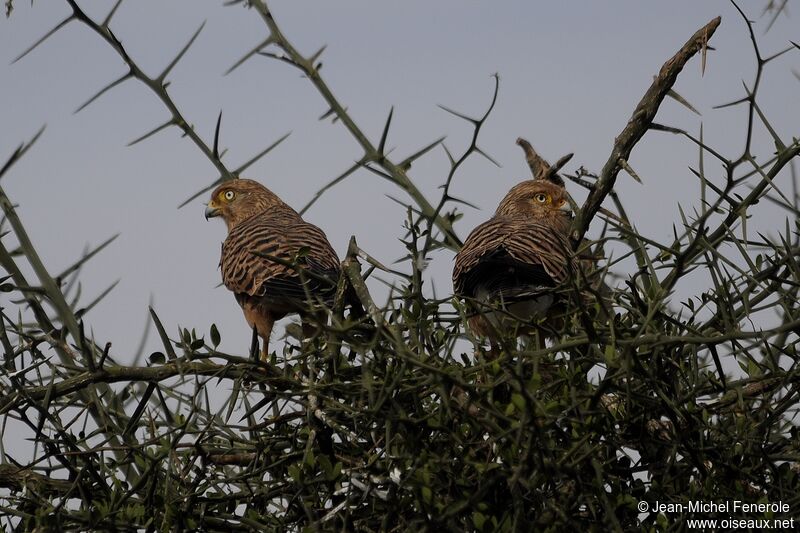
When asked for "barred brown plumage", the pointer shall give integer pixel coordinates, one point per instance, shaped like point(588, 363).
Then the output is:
point(273, 261)
point(515, 260)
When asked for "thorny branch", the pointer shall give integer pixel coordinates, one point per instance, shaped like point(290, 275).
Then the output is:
point(638, 125)
point(380, 422)
point(158, 85)
point(397, 173)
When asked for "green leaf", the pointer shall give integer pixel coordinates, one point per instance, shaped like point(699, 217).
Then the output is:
point(336, 472)
point(295, 473)
point(215, 337)
point(518, 400)
point(310, 459)
point(427, 494)
point(325, 465)
point(610, 354)
point(478, 519)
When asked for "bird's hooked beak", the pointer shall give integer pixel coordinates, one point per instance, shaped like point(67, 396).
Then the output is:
point(566, 209)
point(212, 211)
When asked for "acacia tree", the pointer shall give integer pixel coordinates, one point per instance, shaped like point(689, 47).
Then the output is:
point(381, 422)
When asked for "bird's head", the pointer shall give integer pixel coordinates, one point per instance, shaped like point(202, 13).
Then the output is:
point(539, 200)
point(239, 199)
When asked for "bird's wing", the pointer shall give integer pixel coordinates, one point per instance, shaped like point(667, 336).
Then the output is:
point(508, 255)
point(286, 236)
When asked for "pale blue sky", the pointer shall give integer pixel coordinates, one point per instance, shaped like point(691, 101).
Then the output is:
point(571, 73)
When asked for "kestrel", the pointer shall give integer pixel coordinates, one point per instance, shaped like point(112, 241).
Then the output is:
point(511, 264)
point(261, 226)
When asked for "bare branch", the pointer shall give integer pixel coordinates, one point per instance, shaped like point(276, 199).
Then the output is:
point(637, 126)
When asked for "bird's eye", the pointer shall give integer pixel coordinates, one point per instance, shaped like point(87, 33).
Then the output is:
point(229, 195)
point(541, 198)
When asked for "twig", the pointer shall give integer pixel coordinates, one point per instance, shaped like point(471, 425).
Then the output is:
point(637, 126)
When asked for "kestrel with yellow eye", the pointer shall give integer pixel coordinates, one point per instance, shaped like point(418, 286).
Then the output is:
point(511, 265)
point(273, 261)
